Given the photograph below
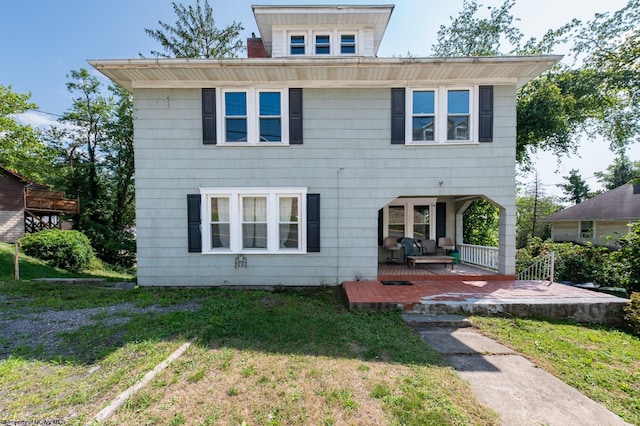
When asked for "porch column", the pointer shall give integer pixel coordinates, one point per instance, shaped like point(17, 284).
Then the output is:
point(507, 241)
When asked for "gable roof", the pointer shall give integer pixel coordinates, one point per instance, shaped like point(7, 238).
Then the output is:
point(621, 203)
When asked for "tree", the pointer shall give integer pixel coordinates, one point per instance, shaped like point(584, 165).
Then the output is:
point(195, 35)
point(22, 149)
point(480, 224)
point(576, 190)
point(532, 205)
point(620, 172)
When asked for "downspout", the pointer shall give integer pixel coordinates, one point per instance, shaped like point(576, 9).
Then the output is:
point(338, 225)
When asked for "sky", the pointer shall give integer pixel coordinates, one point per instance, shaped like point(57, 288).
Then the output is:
point(41, 41)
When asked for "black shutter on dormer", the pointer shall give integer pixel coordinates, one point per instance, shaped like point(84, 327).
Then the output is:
point(397, 116)
point(485, 117)
point(313, 223)
point(209, 116)
point(295, 116)
point(193, 223)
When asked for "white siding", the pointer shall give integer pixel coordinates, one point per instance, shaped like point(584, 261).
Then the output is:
point(347, 157)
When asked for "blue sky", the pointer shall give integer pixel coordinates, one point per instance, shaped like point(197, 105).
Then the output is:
point(43, 40)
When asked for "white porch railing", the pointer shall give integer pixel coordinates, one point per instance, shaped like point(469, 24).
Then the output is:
point(485, 257)
point(542, 270)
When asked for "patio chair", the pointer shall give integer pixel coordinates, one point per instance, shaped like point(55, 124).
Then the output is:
point(429, 247)
point(445, 243)
point(411, 248)
point(391, 244)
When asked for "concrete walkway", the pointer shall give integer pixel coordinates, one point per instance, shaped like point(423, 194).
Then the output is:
point(518, 390)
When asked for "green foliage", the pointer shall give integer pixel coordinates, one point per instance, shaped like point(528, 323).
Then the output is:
point(531, 207)
point(195, 35)
point(481, 224)
point(69, 250)
point(632, 314)
point(622, 171)
point(627, 258)
point(576, 189)
point(21, 147)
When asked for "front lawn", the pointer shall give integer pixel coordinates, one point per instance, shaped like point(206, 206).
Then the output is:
point(259, 358)
point(601, 362)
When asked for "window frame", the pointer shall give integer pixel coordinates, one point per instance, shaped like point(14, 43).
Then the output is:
point(304, 45)
point(341, 44)
point(409, 205)
point(236, 219)
point(253, 116)
point(310, 43)
point(441, 115)
point(328, 45)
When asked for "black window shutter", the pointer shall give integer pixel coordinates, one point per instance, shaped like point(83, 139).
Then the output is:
point(295, 116)
point(380, 228)
point(441, 220)
point(485, 117)
point(313, 223)
point(209, 116)
point(193, 219)
point(397, 115)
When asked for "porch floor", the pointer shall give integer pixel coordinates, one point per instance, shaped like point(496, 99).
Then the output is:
point(472, 290)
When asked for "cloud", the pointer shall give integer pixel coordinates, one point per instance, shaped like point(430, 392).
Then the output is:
point(37, 119)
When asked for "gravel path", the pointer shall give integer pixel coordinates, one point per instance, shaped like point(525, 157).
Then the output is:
point(40, 329)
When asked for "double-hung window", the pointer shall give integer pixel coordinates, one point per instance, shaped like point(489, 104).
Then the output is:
point(254, 116)
point(440, 115)
point(297, 44)
point(347, 44)
point(254, 220)
point(323, 44)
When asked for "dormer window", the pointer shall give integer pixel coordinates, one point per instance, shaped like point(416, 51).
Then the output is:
point(297, 44)
point(323, 44)
point(347, 44)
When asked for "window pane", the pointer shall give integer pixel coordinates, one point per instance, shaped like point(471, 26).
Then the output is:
point(458, 102)
point(254, 235)
point(297, 45)
point(288, 209)
point(270, 103)
point(236, 129)
point(289, 235)
point(235, 104)
point(423, 102)
point(270, 130)
point(348, 43)
point(322, 45)
point(423, 129)
point(396, 221)
point(421, 222)
point(219, 210)
point(254, 209)
point(219, 235)
point(458, 128)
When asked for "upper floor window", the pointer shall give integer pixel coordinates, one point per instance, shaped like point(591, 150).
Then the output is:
point(440, 115)
point(297, 44)
point(348, 44)
point(253, 116)
point(323, 44)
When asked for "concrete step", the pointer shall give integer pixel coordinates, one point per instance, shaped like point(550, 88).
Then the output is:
point(443, 321)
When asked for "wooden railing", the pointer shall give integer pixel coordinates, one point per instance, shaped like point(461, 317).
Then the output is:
point(542, 270)
point(485, 257)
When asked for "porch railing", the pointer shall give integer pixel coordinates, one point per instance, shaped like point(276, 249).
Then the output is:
point(485, 257)
point(542, 270)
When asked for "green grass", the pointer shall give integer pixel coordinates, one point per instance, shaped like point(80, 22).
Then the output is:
point(601, 362)
point(31, 268)
point(261, 358)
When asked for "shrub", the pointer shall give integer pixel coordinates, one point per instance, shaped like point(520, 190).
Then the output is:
point(632, 314)
point(69, 250)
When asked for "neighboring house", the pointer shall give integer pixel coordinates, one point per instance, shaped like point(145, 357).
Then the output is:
point(290, 167)
point(599, 219)
point(26, 206)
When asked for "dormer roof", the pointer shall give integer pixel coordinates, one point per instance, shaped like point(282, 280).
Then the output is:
point(328, 16)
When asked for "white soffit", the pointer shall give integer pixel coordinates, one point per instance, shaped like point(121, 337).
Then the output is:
point(315, 72)
point(333, 16)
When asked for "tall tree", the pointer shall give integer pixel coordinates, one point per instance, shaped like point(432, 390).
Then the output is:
point(195, 35)
point(21, 147)
point(480, 224)
point(576, 189)
point(533, 205)
point(620, 172)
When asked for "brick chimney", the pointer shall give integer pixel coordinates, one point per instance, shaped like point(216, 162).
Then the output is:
point(255, 48)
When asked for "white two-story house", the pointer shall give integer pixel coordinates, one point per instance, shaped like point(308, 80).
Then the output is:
point(291, 166)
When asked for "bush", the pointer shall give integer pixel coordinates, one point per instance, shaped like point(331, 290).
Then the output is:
point(69, 250)
point(632, 314)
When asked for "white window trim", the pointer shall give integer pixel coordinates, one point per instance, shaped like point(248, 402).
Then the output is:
point(253, 116)
point(235, 218)
point(441, 114)
point(334, 41)
point(356, 37)
point(409, 204)
point(307, 42)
